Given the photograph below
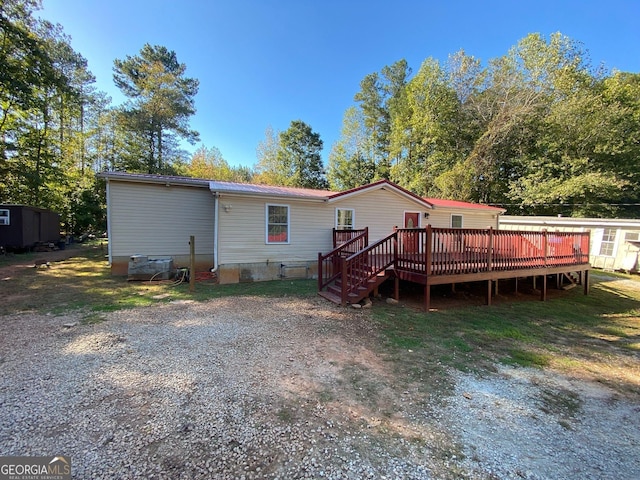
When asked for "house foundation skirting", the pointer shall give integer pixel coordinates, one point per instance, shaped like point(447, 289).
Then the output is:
point(265, 271)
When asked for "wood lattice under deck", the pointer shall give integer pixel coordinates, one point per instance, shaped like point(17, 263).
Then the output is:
point(433, 256)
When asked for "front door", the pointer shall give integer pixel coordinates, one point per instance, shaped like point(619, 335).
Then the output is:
point(411, 240)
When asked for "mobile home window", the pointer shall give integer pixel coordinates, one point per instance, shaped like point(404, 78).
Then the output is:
point(5, 217)
point(277, 224)
point(631, 236)
point(456, 221)
point(344, 218)
point(608, 242)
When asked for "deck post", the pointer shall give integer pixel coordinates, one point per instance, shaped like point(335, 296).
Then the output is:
point(428, 250)
point(545, 245)
point(427, 297)
point(489, 288)
point(343, 277)
point(490, 250)
point(585, 281)
point(396, 288)
point(320, 271)
point(543, 291)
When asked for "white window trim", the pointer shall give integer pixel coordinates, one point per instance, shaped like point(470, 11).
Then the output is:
point(266, 224)
point(6, 219)
point(461, 220)
point(614, 249)
point(353, 218)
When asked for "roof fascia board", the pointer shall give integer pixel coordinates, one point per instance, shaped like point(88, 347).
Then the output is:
point(230, 193)
point(381, 186)
point(167, 182)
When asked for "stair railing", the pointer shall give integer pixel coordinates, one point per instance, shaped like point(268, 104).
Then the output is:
point(329, 264)
point(366, 264)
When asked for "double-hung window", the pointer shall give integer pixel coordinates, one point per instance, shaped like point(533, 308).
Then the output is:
point(345, 218)
point(277, 223)
point(608, 242)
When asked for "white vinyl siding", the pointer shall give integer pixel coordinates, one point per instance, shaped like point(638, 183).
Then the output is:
point(380, 210)
point(158, 220)
point(441, 217)
point(242, 231)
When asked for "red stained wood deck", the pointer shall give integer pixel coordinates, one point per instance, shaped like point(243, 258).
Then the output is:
point(432, 256)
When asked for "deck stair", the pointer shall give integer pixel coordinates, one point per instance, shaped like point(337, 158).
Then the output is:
point(349, 279)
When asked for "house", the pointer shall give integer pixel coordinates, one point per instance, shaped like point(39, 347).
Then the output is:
point(615, 243)
point(258, 232)
point(23, 227)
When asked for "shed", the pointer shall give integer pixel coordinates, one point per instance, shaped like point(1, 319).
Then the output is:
point(23, 227)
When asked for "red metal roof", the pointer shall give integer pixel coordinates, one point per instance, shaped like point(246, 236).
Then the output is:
point(440, 202)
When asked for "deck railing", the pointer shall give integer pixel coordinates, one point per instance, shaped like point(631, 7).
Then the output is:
point(343, 236)
point(329, 265)
point(458, 251)
point(447, 251)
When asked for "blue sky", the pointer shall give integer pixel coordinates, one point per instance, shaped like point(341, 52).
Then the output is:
point(266, 63)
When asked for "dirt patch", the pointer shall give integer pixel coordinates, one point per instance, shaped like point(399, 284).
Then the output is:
point(288, 388)
point(12, 264)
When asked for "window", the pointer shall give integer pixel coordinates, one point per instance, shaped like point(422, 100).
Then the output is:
point(4, 217)
point(277, 224)
point(344, 218)
point(608, 242)
point(631, 236)
point(456, 221)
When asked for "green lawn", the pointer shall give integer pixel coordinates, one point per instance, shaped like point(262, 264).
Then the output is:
point(595, 336)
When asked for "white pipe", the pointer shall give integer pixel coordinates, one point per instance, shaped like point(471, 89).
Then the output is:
point(109, 217)
point(215, 231)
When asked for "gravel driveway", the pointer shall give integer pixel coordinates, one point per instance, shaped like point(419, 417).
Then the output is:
point(286, 388)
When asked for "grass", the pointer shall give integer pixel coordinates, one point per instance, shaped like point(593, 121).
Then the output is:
point(594, 336)
point(84, 282)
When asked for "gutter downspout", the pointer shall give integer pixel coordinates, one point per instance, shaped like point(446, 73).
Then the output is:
point(109, 214)
point(216, 222)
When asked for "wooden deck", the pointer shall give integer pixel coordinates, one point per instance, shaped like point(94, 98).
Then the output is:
point(434, 256)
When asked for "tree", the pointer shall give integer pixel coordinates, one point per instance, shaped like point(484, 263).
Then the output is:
point(209, 163)
point(161, 103)
point(379, 96)
point(268, 171)
point(423, 131)
point(351, 161)
point(298, 160)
